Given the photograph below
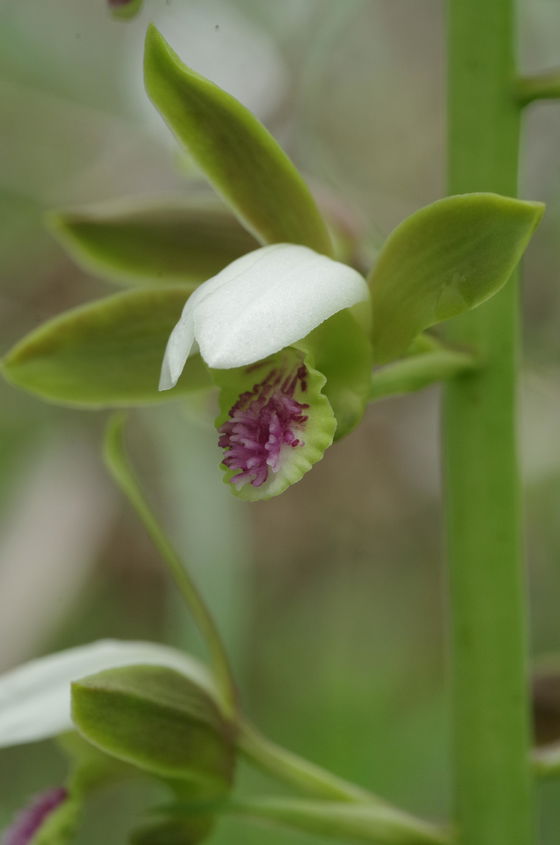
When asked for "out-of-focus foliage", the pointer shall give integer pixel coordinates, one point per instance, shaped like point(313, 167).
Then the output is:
point(330, 597)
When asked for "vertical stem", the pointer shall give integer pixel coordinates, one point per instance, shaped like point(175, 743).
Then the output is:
point(491, 725)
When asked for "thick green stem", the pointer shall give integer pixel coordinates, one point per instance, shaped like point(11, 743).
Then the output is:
point(491, 724)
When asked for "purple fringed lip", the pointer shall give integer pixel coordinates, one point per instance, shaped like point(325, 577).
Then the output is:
point(31, 819)
point(263, 422)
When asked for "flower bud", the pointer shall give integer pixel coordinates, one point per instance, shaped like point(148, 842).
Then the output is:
point(160, 721)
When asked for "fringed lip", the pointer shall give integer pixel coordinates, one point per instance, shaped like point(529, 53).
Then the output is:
point(263, 423)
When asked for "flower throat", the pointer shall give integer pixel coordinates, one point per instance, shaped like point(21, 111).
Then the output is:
point(263, 422)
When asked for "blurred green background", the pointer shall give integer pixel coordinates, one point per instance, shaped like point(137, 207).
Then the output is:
point(332, 598)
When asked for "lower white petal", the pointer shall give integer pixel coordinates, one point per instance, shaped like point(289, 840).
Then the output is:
point(35, 697)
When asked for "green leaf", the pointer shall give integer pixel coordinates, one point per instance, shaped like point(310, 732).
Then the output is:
point(342, 352)
point(443, 260)
point(240, 158)
point(252, 399)
point(107, 353)
point(158, 720)
point(148, 242)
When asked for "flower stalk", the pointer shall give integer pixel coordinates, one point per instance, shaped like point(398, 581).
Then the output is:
point(122, 473)
point(352, 823)
point(488, 620)
point(306, 777)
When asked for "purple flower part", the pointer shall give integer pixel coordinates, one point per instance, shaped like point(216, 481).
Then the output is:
point(31, 819)
point(263, 422)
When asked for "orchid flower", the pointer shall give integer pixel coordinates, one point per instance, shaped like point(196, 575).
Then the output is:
point(35, 697)
point(286, 333)
point(35, 704)
point(250, 323)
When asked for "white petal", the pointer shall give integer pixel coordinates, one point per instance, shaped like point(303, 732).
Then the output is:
point(267, 300)
point(178, 348)
point(35, 697)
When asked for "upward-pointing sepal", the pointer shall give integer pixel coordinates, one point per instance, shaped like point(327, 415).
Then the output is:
point(239, 156)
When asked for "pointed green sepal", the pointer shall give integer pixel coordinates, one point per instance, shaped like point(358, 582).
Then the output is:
point(157, 241)
point(443, 260)
point(239, 156)
point(105, 354)
point(341, 351)
point(275, 423)
point(158, 720)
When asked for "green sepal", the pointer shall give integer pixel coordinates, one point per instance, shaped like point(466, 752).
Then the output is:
point(158, 720)
point(443, 260)
point(105, 354)
point(341, 351)
point(155, 241)
point(317, 433)
point(241, 159)
point(126, 9)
